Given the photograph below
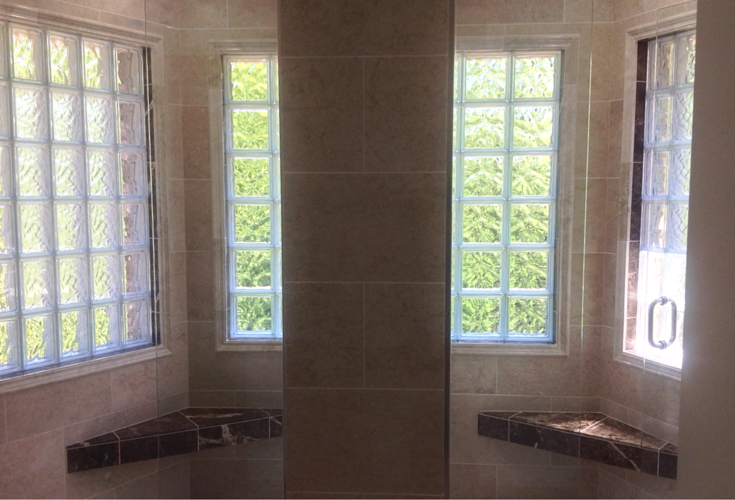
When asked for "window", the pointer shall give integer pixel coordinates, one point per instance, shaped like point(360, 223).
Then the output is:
point(660, 209)
point(253, 198)
point(75, 241)
point(507, 107)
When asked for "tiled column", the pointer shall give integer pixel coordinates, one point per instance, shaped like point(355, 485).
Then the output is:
point(364, 140)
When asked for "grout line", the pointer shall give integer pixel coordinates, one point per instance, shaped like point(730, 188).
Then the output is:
point(360, 282)
point(397, 389)
point(364, 167)
point(364, 336)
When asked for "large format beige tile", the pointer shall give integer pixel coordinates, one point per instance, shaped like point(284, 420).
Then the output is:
point(33, 467)
point(474, 374)
point(404, 336)
point(236, 478)
point(502, 11)
point(472, 481)
point(3, 436)
point(251, 13)
point(539, 375)
point(92, 482)
point(133, 385)
point(321, 114)
point(55, 405)
point(346, 227)
point(546, 482)
point(379, 27)
point(173, 481)
point(406, 103)
point(200, 286)
point(369, 441)
point(195, 133)
point(323, 335)
point(203, 13)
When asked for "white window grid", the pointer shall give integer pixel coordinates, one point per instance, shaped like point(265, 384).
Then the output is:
point(273, 292)
point(110, 216)
point(665, 189)
point(459, 201)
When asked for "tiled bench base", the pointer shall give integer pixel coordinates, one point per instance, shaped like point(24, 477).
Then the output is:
point(185, 431)
point(591, 436)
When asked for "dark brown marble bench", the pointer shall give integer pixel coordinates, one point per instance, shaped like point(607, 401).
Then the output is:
point(590, 436)
point(184, 431)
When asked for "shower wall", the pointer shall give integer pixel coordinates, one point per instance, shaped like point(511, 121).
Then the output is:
point(37, 422)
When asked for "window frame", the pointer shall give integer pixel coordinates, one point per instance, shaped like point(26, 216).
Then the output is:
point(217, 54)
point(151, 47)
point(632, 154)
point(567, 136)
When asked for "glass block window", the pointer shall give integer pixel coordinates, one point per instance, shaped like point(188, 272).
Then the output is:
point(75, 253)
point(253, 197)
point(661, 239)
point(507, 107)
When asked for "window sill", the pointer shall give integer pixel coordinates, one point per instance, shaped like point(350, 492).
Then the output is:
point(82, 368)
point(648, 365)
point(508, 349)
point(257, 345)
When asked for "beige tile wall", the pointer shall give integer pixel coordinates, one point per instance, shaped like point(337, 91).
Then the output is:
point(364, 103)
point(39, 422)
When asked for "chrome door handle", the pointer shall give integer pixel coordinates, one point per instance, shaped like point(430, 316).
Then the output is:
point(662, 344)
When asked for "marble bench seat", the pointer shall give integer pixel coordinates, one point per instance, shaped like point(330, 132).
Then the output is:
point(184, 431)
point(590, 436)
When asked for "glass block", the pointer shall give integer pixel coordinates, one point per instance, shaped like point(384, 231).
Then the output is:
point(134, 224)
point(531, 176)
point(483, 176)
point(73, 280)
point(71, 227)
point(135, 273)
point(105, 225)
point(251, 176)
point(31, 113)
point(63, 53)
point(252, 223)
point(481, 270)
point(67, 118)
point(481, 223)
point(6, 173)
point(106, 327)
point(534, 77)
point(133, 174)
point(526, 317)
point(137, 322)
point(5, 119)
point(684, 113)
point(663, 64)
point(686, 55)
point(529, 223)
point(485, 77)
point(675, 278)
point(9, 347)
point(68, 172)
point(249, 129)
point(102, 173)
point(456, 79)
point(40, 340)
point(74, 326)
point(678, 226)
point(253, 269)
point(130, 127)
point(484, 128)
point(660, 121)
point(480, 316)
point(655, 265)
point(533, 126)
point(129, 70)
point(253, 314)
point(7, 236)
point(106, 276)
point(97, 65)
point(36, 227)
point(33, 171)
point(249, 80)
point(27, 54)
point(655, 217)
point(681, 170)
point(7, 287)
point(38, 278)
point(656, 174)
point(528, 270)
point(100, 119)
point(3, 51)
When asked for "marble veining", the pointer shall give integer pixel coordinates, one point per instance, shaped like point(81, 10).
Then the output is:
point(590, 436)
point(185, 431)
